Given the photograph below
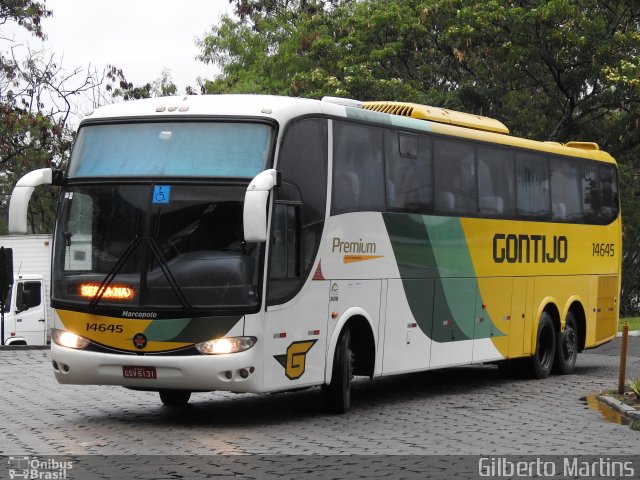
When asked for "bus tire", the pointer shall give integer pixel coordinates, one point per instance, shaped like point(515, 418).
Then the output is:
point(175, 398)
point(336, 396)
point(542, 360)
point(566, 347)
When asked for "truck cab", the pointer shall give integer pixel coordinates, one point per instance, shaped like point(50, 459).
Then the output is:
point(25, 311)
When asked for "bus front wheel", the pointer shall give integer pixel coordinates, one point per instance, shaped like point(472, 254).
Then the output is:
point(542, 360)
point(567, 347)
point(175, 398)
point(337, 395)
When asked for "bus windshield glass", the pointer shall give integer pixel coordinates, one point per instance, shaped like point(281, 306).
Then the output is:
point(174, 149)
point(169, 246)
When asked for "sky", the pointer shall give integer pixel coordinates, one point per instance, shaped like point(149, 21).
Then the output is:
point(141, 37)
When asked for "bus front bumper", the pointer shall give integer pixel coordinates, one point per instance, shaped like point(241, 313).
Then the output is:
point(234, 372)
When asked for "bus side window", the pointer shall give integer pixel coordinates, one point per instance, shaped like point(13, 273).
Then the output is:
point(496, 189)
point(358, 171)
point(566, 204)
point(599, 193)
point(532, 176)
point(609, 193)
point(591, 202)
point(455, 173)
point(408, 169)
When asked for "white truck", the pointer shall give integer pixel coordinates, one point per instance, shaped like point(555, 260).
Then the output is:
point(27, 311)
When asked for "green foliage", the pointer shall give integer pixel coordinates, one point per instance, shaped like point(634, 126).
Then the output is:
point(634, 385)
point(26, 13)
point(633, 322)
point(29, 137)
point(163, 86)
point(31, 140)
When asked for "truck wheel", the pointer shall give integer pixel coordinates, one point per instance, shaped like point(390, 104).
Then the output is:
point(566, 347)
point(337, 395)
point(175, 398)
point(542, 360)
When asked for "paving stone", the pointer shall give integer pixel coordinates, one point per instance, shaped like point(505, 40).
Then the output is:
point(458, 411)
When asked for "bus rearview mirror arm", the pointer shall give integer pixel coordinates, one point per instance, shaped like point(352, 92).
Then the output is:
point(21, 195)
point(256, 199)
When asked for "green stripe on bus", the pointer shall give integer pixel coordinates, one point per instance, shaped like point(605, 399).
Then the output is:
point(190, 330)
point(437, 275)
point(452, 257)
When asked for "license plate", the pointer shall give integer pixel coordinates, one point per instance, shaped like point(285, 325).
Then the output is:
point(139, 372)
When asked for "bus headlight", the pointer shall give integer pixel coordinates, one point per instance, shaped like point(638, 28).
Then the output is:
point(68, 339)
point(226, 345)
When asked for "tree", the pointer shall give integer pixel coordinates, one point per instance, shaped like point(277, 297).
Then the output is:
point(37, 99)
point(162, 86)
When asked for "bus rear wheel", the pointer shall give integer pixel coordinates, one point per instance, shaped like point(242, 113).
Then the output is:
point(567, 347)
point(336, 396)
point(542, 360)
point(175, 398)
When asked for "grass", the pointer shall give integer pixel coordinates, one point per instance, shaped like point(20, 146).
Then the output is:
point(634, 323)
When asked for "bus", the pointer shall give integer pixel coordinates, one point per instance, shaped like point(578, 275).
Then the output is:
point(253, 243)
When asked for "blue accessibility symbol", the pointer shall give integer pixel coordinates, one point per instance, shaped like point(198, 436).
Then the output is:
point(161, 194)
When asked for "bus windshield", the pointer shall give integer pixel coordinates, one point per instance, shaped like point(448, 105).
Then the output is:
point(169, 246)
point(175, 149)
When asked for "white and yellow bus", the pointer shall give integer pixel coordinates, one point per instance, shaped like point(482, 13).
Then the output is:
point(258, 244)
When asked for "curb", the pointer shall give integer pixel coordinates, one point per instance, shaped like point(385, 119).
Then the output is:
point(623, 408)
point(634, 333)
point(24, 347)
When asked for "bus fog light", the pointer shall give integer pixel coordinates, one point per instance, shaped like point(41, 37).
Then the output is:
point(226, 345)
point(69, 340)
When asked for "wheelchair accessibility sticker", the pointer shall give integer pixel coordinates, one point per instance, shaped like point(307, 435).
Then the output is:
point(161, 194)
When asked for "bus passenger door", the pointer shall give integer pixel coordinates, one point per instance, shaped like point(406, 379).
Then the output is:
point(295, 337)
point(295, 330)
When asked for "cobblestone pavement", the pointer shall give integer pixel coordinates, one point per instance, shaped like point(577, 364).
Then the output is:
point(458, 411)
point(469, 410)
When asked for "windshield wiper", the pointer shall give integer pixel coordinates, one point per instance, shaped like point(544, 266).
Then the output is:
point(113, 272)
point(157, 254)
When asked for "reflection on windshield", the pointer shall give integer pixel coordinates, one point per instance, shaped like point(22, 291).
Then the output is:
point(190, 254)
point(177, 149)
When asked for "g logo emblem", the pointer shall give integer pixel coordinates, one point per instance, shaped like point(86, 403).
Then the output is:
point(294, 362)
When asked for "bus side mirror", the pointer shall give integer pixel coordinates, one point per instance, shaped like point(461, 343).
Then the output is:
point(21, 195)
point(254, 216)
